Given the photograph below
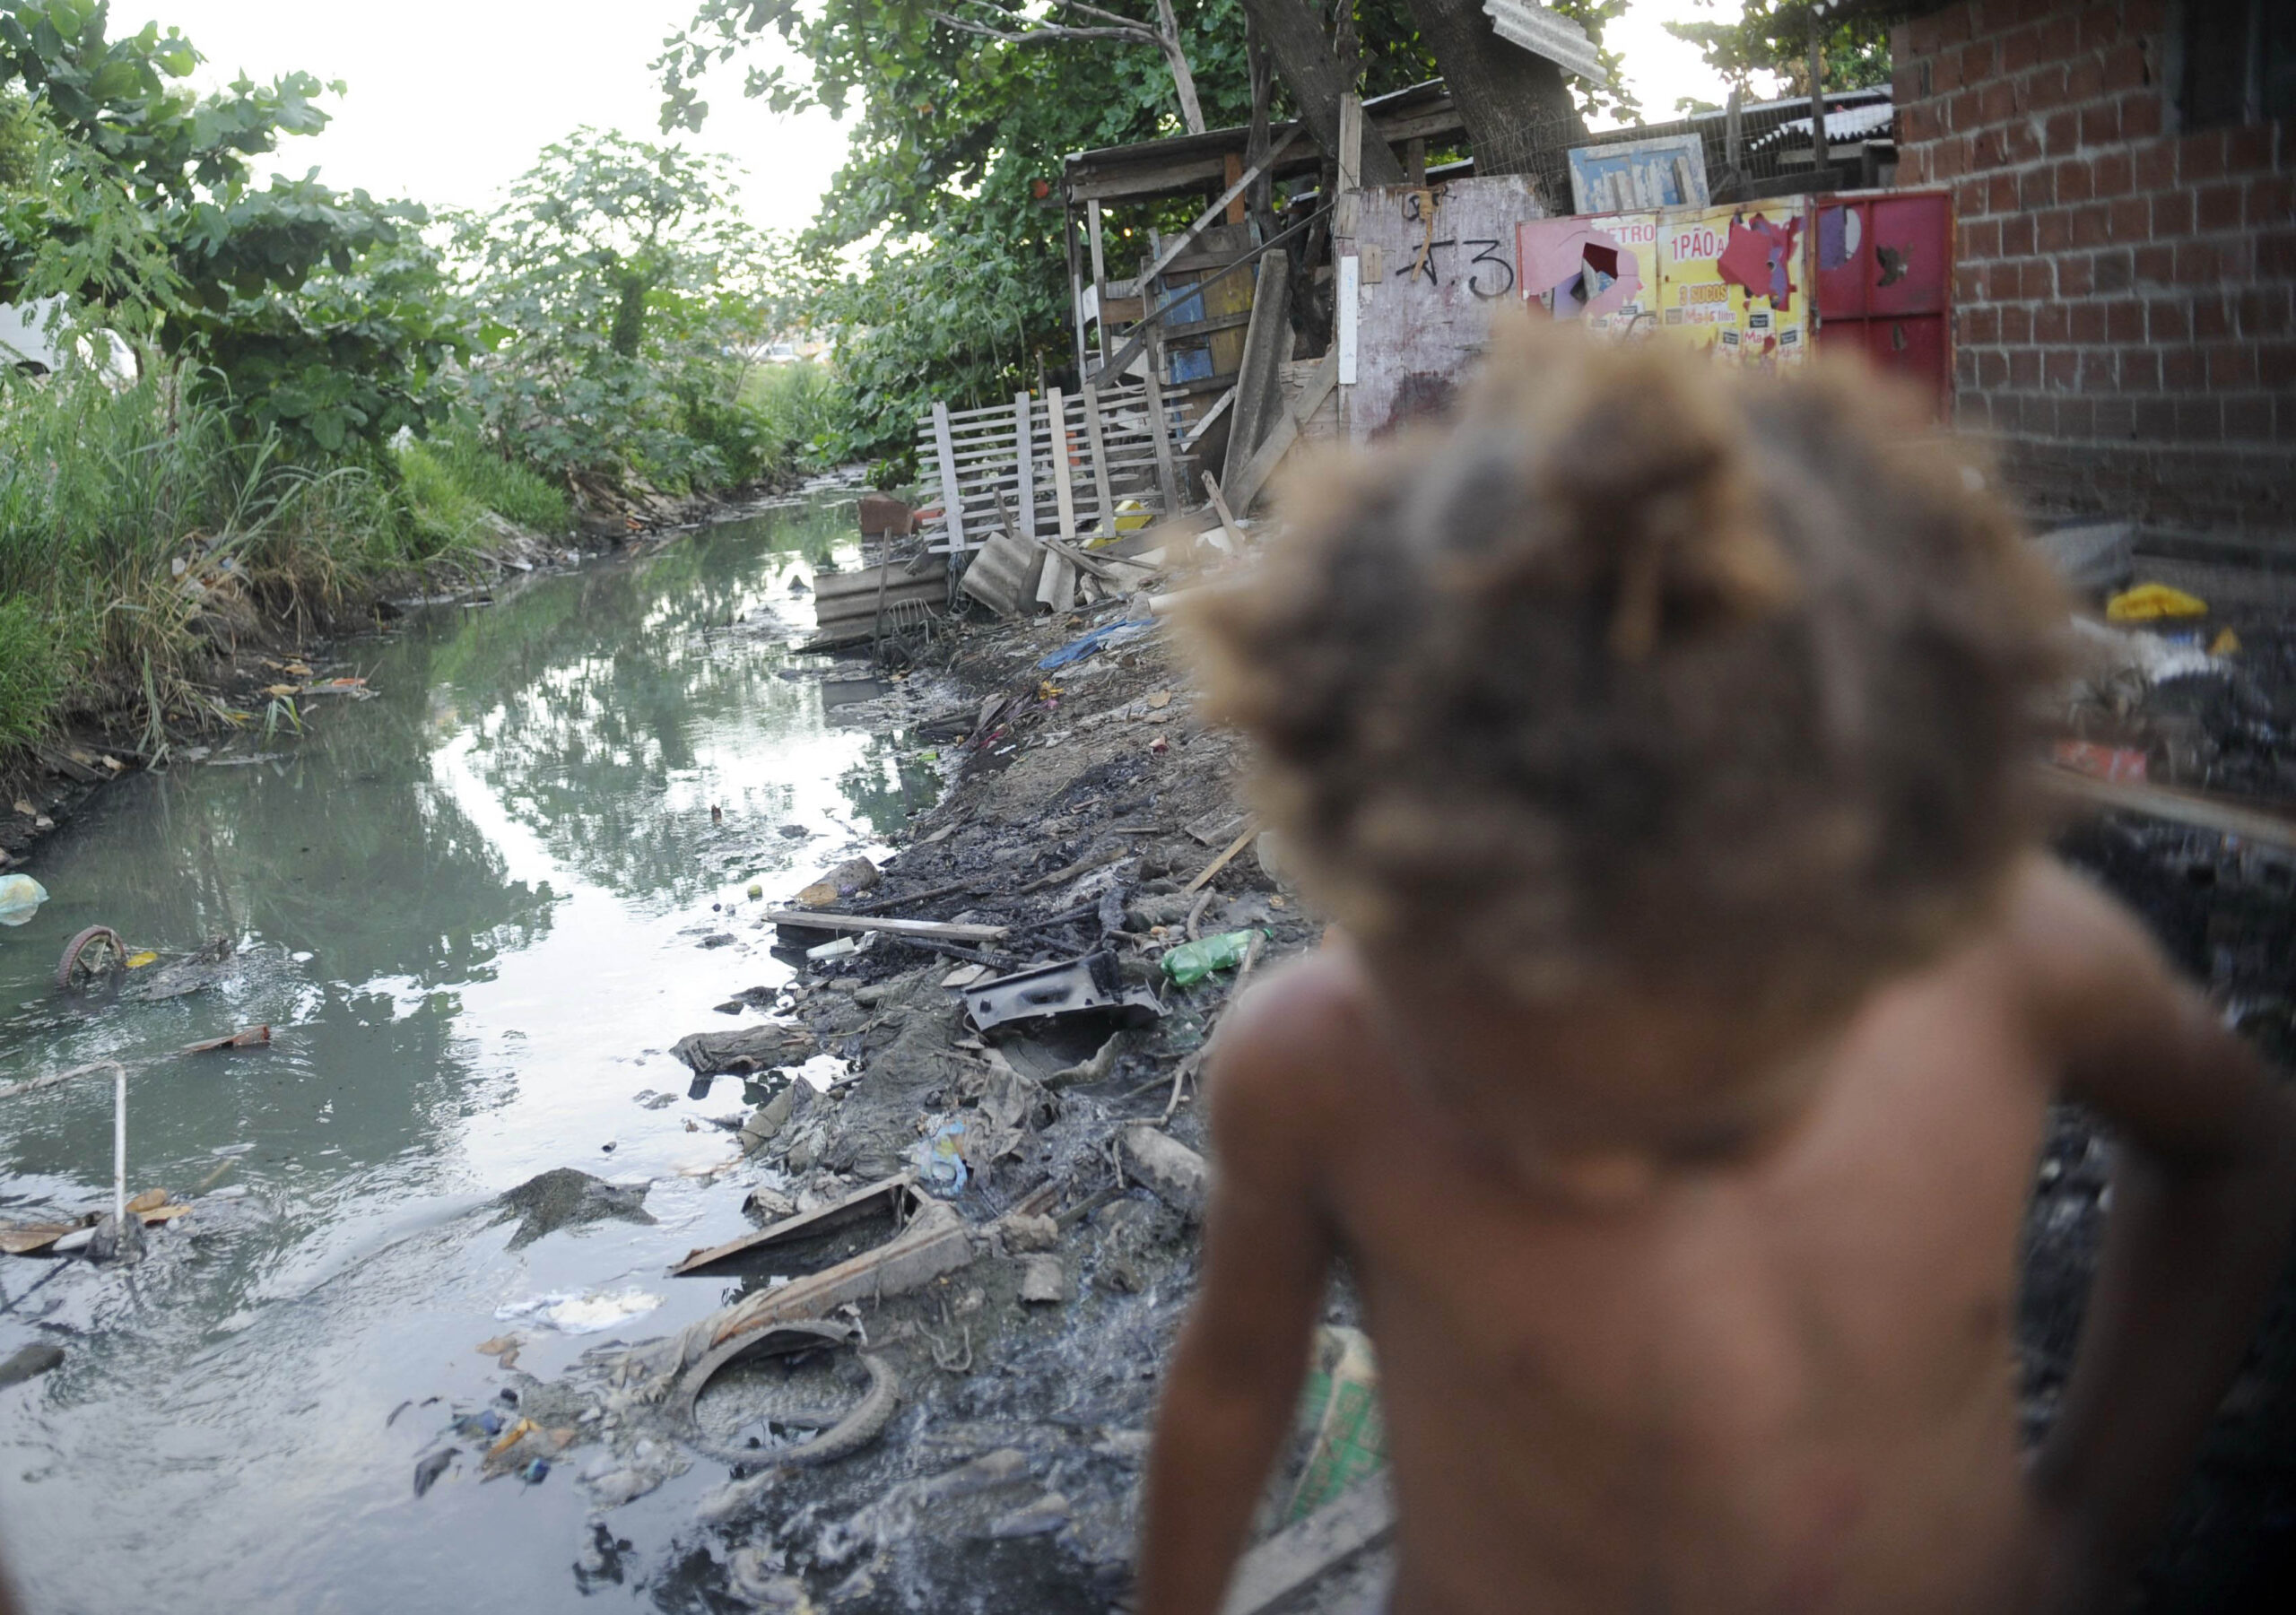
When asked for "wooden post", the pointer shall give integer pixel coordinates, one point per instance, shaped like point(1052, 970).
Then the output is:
point(1414, 162)
point(1063, 496)
point(952, 504)
point(1350, 168)
point(1099, 274)
point(1160, 432)
point(1232, 170)
point(1093, 436)
point(1075, 284)
point(1259, 381)
point(1733, 134)
point(1817, 101)
point(1024, 443)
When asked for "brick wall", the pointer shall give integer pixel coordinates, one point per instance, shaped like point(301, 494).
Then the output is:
point(2124, 289)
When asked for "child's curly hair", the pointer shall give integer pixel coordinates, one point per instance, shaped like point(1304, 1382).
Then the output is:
point(1639, 672)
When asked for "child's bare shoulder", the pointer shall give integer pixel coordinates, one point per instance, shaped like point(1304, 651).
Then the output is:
point(1287, 1051)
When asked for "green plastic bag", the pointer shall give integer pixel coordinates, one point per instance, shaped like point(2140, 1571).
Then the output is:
point(1191, 962)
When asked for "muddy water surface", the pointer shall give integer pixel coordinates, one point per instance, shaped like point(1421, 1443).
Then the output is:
point(472, 909)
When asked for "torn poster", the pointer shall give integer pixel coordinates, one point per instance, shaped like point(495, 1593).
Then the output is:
point(1760, 256)
point(1592, 269)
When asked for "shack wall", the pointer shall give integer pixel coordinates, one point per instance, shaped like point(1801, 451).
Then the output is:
point(2124, 285)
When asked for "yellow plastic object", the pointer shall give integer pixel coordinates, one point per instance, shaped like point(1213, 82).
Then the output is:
point(2226, 644)
point(136, 961)
point(2151, 601)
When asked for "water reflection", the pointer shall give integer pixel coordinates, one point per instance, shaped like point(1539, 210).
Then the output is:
point(470, 907)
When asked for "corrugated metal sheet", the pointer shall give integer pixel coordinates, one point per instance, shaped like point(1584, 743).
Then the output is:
point(1843, 122)
point(1546, 33)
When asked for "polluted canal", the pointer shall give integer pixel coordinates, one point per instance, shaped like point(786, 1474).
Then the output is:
point(474, 908)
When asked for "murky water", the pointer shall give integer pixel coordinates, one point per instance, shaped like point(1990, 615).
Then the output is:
point(472, 909)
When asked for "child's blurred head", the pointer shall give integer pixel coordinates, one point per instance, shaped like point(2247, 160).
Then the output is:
point(1642, 674)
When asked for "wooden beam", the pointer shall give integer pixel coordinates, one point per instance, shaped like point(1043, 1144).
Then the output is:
point(819, 919)
point(1099, 459)
point(2200, 811)
point(1362, 1516)
point(1235, 534)
point(1025, 439)
point(1232, 171)
point(1100, 278)
point(1212, 214)
point(1136, 338)
point(1284, 434)
point(1259, 381)
point(952, 496)
point(1159, 429)
point(1057, 428)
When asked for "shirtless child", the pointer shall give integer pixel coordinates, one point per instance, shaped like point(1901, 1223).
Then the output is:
point(1657, 739)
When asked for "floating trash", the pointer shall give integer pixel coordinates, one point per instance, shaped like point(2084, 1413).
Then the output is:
point(581, 1311)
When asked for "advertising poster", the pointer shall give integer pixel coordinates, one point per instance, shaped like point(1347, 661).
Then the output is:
point(1730, 280)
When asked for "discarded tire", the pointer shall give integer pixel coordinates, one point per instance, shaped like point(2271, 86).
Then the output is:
point(91, 957)
point(855, 1431)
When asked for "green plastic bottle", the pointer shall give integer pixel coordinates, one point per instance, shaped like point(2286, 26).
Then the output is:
point(1191, 962)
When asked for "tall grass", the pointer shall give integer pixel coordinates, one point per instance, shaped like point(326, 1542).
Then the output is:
point(137, 535)
point(797, 407)
point(453, 479)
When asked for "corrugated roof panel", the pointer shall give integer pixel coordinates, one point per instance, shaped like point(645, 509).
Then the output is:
point(1546, 33)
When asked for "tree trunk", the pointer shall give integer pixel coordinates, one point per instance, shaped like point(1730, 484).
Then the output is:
point(1515, 105)
point(1168, 41)
point(1311, 71)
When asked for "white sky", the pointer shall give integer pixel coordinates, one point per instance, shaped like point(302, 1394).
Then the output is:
point(450, 99)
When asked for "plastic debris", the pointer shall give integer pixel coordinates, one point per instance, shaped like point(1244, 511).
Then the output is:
point(2226, 644)
point(21, 896)
point(1191, 962)
point(939, 1159)
point(2103, 762)
point(2151, 601)
point(580, 1313)
point(430, 1466)
point(534, 1470)
point(1105, 638)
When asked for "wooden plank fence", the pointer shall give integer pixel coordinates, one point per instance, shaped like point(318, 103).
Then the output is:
point(1057, 467)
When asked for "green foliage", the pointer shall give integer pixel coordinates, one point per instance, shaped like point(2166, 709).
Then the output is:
point(617, 284)
point(1594, 16)
point(1772, 37)
point(137, 526)
point(458, 458)
point(142, 203)
point(799, 405)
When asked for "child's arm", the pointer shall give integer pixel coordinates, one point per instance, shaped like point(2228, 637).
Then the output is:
point(2202, 1193)
point(1229, 1396)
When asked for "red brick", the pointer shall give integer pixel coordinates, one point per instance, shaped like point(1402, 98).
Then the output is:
point(2132, 217)
point(1946, 159)
point(2200, 157)
point(1920, 123)
point(2084, 79)
point(2036, 281)
point(2100, 27)
point(2088, 322)
point(2043, 90)
point(2200, 419)
point(2001, 281)
point(2021, 49)
point(1945, 72)
point(1980, 327)
point(2275, 254)
point(1972, 411)
point(2172, 213)
point(2112, 174)
point(2016, 235)
point(2140, 370)
point(2238, 262)
point(1997, 100)
point(2017, 322)
point(2001, 194)
point(2144, 16)
point(1953, 27)
point(1968, 283)
point(2231, 364)
point(2140, 115)
point(1982, 240)
point(2092, 226)
point(2283, 419)
point(2182, 369)
point(2198, 263)
point(1961, 113)
point(1990, 148)
point(2276, 366)
point(2219, 207)
point(2247, 420)
point(1965, 368)
point(2125, 320)
point(2076, 275)
point(2156, 265)
point(2248, 149)
point(2113, 271)
point(2072, 181)
point(2156, 167)
point(1914, 167)
point(2053, 323)
point(2271, 200)
point(1980, 61)
point(2125, 68)
point(2021, 139)
point(2156, 419)
point(2212, 319)
point(2117, 417)
point(2061, 367)
point(2053, 230)
point(1969, 199)
point(2166, 319)
point(2266, 310)
point(2100, 124)
point(1919, 36)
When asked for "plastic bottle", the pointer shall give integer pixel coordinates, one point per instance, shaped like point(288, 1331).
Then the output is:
point(1191, 962)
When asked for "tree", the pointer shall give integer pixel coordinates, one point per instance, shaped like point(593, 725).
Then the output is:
point(1163, 33)
point(143, 204)
point(618, 283)
point(1773, 37)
